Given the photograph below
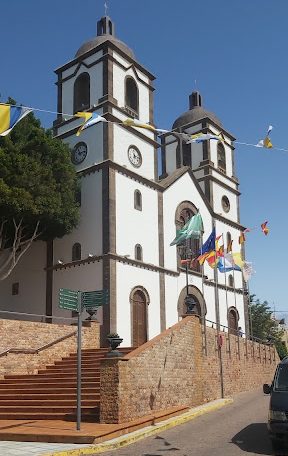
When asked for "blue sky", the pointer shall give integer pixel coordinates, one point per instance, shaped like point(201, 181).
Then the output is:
point(236, 52)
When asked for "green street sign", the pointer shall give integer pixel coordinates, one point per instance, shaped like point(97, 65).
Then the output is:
point(68, 299)
point(92, 299)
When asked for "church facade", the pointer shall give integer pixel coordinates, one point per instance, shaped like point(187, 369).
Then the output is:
point(130, 213)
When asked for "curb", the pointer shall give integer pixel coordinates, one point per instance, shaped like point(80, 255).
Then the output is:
point(135, 436)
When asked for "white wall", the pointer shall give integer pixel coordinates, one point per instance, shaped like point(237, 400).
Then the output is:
point(218, 193)
point(122, 141)
point(129, 277)
point(89, 230)
point(31, 275)
point(182, 190)
point(96, 84)
point(133, 226)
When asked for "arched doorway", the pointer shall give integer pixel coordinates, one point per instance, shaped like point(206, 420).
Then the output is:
point(196, 299)
point(233, 319)
point(139, 303)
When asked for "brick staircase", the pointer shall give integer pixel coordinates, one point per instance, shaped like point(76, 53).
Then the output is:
point(51, 394)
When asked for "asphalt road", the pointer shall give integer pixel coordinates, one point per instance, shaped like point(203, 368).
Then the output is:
point(236, 429)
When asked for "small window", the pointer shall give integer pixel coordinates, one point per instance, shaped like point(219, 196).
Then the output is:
point(131, 94)
point(138, 252)
point(225, 204)
point(231, 280)
point(137, 200)
point(82, 92)
point(221, 157)
point(15, 288)
point(76, 252)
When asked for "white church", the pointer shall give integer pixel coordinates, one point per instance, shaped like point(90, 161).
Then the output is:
point(129, 211)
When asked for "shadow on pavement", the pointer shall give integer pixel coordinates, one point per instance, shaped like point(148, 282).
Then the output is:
point(254, 439)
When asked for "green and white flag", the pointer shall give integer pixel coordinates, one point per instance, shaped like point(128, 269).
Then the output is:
point(192, 229)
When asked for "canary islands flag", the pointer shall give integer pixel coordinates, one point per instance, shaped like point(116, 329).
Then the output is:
point(10, 116)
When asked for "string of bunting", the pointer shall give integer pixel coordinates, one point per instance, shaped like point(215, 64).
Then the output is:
point(10, 115)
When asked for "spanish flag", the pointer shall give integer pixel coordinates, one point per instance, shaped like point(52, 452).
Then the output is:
point(10, 116)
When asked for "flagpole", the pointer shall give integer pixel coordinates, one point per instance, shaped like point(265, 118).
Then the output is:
point(226, 291)
point(216, 285)
point(202, 276)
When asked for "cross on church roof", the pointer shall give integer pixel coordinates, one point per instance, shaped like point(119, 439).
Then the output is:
point(106, 7)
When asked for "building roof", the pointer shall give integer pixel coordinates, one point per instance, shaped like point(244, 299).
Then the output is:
point(195, 113)
point(105, 32)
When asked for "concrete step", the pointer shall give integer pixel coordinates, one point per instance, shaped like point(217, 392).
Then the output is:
point(44, 377)
point(16, 402)
point(43, 389)
point(20, 396)
point(88, 417)
point(66, 369)
point(49, 384)
point(64, 409)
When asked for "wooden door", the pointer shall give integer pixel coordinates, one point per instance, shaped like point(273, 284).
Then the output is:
point(139, 318)
point(232, 322)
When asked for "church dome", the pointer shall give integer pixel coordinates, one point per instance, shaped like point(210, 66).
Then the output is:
point(105, 32)
point(195, 113)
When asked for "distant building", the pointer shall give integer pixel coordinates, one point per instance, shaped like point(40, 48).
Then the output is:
point(129, 210)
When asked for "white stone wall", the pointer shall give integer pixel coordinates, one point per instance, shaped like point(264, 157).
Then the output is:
point(129, 277)
point(89, 231)
point(122, 141)
point(31, 275)
point(133, 226)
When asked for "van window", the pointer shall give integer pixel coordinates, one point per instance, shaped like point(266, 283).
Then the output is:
point(282, 378)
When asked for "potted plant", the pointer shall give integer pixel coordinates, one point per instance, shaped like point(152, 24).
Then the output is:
point(114, 340)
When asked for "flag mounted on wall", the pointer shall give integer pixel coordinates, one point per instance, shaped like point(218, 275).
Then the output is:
point(10, 116)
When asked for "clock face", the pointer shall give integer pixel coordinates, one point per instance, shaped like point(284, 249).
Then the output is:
point(79, 153)
point(134, 156)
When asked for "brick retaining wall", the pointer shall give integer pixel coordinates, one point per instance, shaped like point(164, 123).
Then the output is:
point(181, 367)
point(33, 335)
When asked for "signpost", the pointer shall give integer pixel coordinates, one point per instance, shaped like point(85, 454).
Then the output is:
point(76, 301)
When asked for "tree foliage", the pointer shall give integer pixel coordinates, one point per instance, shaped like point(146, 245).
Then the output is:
point(264, 326)
point(38, 187)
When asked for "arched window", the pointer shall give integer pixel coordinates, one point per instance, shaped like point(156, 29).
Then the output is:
point(76, 252)
point(228, 242)
point(82, 92)
point(138, 200)
point(230, 280)
point(195, 302)
point(131, 95)
point(221, 157)
point(188, 249)
point(138, 252)
point(233, 319)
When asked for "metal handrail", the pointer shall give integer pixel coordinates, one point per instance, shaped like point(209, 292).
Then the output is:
point(32, 351)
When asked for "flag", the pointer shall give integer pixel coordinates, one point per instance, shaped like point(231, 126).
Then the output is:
point(266, 142)
point(10, 116)
point(229, 246)
point(202, 258)
point(247, 270)
point(209, 244)
point(264, 228)
point(237, 259)
point(242, 238)
point(212, 259)
point(90, 118)
point(226, 264)
point(192, 229)
point(201, 137)
point(137, 124)
point(187, 261)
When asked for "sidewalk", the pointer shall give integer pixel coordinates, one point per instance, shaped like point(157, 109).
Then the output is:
point(15, 448)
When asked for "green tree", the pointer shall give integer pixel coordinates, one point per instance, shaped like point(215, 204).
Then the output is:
point(38, 187)
point(264, 327)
